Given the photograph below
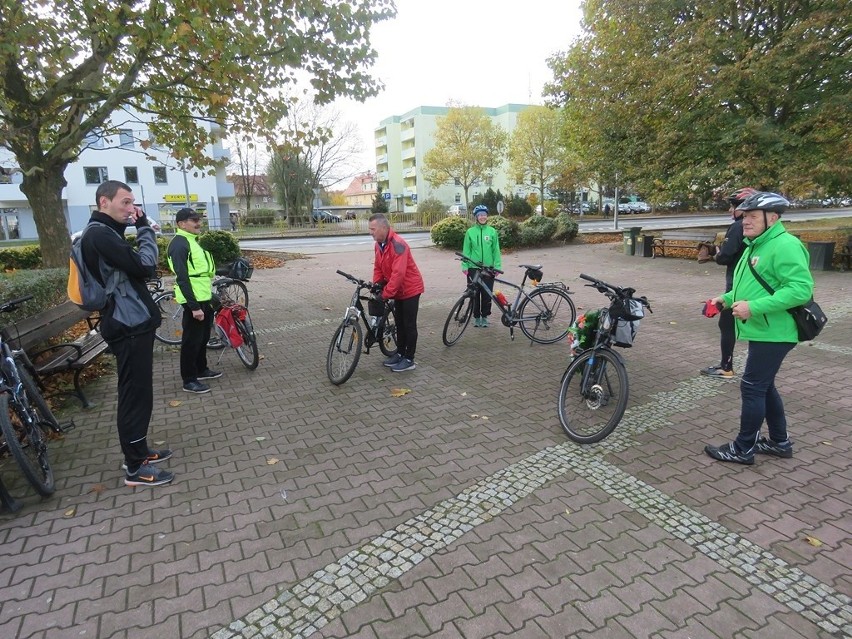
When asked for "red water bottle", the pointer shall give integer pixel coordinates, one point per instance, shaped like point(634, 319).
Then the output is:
point(501, 298)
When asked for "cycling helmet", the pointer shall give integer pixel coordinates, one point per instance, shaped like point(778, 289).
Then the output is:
point(738, 197)
point(480, 208)
point(764, 201)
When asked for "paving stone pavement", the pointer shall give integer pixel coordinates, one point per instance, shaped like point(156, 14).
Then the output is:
point(457, 510)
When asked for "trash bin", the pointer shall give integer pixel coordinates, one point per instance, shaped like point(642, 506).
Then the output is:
point(630, 236)
point(645, 246)
point(821, 254)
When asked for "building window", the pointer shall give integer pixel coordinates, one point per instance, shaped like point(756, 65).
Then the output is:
point(458, 182)
point(94, 140)
point(95, 174)
point(458, 198)
point(131, 175)
point(125, 137)
point(160, 176)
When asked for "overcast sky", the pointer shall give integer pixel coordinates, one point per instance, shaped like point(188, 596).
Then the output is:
point(476, 52)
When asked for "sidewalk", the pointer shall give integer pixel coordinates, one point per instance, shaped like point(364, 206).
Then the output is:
point(459, 509)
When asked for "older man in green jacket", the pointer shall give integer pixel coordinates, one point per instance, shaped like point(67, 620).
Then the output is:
point(762, 319)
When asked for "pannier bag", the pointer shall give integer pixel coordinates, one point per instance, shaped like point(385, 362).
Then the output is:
point(625, 333)
point(535, 274)
point(241, 269)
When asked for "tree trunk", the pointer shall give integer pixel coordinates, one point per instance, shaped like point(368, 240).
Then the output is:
point(44, 192)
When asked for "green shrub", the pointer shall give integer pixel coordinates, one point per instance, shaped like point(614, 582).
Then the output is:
point(449, 232)
point(222, 245)
point(566, 228)
point(507, 231)
point(518, 207)
point(259, 217)
point(47, 286)
point(21, 257)
point(537, 230)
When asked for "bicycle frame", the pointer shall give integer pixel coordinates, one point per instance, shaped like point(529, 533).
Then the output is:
point(355, 311)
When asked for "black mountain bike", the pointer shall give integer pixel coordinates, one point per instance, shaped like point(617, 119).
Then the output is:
point(594, 391)
point(345, 348)
point(25, 416)
point(544, 315)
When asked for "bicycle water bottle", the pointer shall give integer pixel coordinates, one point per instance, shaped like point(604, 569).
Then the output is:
point(374, 321)
point(501, 298)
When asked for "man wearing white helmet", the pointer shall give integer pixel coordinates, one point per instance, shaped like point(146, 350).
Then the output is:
point(761, 318)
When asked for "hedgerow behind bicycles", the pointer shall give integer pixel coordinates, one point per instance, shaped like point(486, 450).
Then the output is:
point(594, 391)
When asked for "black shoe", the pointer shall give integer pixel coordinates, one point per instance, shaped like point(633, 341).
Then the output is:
point(393, 360)
point(196, 387)
point(154, 456)
point(769, 447)
point(210, 374)
point(729, 453)
point(148, 475)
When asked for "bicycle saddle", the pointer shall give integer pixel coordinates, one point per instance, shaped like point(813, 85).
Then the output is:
point(536, 267)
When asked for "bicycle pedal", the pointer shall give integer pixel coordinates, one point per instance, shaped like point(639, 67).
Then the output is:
point(67, 426)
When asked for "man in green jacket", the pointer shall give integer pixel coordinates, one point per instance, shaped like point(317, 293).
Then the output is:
point(194, 270)
point(482, 244)
point(762, 319)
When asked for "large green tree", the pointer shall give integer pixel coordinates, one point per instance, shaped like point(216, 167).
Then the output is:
point(469, 147)
point(67, 65)
point(535, 152)
point(678, 98)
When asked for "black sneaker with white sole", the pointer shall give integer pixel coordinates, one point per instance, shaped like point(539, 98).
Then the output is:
point(196, 387)
point(729, 453)
point(210, 374)
point(148, 475)
point(154, 456)
point(769, 447)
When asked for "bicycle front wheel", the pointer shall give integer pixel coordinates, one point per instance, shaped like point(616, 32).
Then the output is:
point(170, 330)
point(387, 339)
point(46, 418)
point(593, 396)
point(344, 351)
point(247, 351)
point(233, 291)
point(25, 440)
point(546, 315)
point(457, 320)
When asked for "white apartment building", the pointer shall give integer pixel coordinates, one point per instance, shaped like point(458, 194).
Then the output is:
point(403, 140)
point(159, 183)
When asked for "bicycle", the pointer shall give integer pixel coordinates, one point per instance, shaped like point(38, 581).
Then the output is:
point(540, 314)
point(25, 416)
point(227, 289)
point(345, 348)
point(594, 390)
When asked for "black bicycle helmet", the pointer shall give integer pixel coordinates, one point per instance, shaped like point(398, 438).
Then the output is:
point(764, 201)
point(739, 196)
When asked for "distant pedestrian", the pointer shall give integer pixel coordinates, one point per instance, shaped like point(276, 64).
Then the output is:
point(233, 217)
point(395, 271)
point(728, 255)
point(606, 210)
point(194, 269)
point(761, 318)
point(128, 323)
point(482, 244)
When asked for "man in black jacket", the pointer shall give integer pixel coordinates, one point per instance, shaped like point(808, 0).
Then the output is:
point(728, 255)
point(128, 322)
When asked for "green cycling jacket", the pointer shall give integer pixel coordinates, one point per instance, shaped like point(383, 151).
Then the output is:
point(783, 262)
point(481, 243)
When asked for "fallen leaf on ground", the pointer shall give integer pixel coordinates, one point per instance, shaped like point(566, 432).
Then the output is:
point(271, 461)
point(175, 403)
point(813, 541)
point(71, 511)
point(475, 416)
point(259, 439)
point(485, 417)
point(399, 392)
point(97, 489)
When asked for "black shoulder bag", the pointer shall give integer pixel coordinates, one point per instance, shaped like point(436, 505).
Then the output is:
point(809, 318)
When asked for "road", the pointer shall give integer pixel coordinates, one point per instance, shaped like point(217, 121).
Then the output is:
point(343, 243)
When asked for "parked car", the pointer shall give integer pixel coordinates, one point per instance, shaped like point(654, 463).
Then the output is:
point(351, 215)
point(457, 209)
point(639, 207)
point(324, 216)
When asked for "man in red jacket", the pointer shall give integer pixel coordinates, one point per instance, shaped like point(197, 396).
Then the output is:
point(395, 270)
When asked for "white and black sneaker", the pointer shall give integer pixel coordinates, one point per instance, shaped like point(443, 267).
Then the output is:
point(729, 453)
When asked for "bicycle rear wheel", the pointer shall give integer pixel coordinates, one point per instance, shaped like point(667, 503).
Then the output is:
point(457, 320)
point(546, 315)
point(233, 291)
point(387, 339)
point(170, 330)
point(593, 396)
point(247, 351)
point(344, 351)
point(25, 440)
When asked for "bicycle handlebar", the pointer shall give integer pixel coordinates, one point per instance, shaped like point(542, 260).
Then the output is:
point(12, 305)
point(478, 265)
point(610, 290)
point(352, 278)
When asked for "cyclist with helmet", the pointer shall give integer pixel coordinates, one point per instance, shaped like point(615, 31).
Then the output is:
point(481, 243)
point(761, 319)
point(728, 255)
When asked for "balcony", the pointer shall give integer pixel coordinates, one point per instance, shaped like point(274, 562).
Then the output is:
point(409, 172)
point(382, 141)
point(408, 192)
point(381, 159)
point(11, 193)
point(407, 134)
point(408, 153)
point(383, 176)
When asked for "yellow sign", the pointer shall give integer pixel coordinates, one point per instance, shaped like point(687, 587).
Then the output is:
point(171, 197)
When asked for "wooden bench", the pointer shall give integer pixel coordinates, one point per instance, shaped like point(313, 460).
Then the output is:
point(689, 240)
point(31, 335)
